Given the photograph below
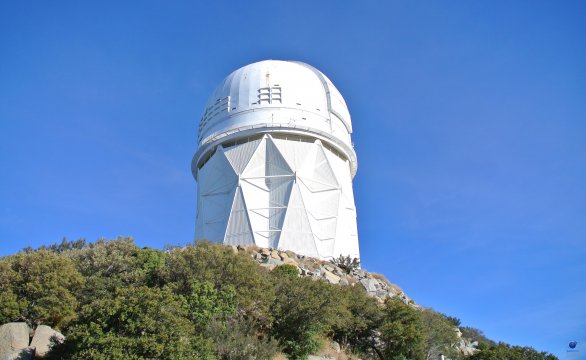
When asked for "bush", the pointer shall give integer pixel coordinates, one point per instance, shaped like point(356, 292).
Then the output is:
point(285, 271)
point(136, 323)
point(400, 331)
point(41, 288)
point(346, 263)
point(304, 311)
point(220, 266)
point(238, 339)
point(358, 330)
point(505, 351)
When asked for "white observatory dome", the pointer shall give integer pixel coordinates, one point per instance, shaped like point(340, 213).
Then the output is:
point(276, 96)
point(275, 162)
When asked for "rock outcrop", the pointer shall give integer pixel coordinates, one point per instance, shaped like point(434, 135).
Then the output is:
point(376, 285)
point(14, 337)
point(43, 338)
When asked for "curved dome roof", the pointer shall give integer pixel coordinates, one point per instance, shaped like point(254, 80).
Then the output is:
point(274, 95)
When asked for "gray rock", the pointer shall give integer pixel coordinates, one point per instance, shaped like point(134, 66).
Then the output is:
point(314, 357)
point(43, 340)
point(369, 284)
point(382, 294)
point(331, 277)
point(272, 261)
point(290, 261)
point(329, 267)
point(13, 337)
point(27, 353)
point(336, 346)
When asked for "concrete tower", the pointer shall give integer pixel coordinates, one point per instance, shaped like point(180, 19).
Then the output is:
point(275, 162)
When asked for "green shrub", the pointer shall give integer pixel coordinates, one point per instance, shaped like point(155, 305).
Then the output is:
point(304, 311)
point(285, 270)
point(43, 286)
point(238, 339)
point(136, 323)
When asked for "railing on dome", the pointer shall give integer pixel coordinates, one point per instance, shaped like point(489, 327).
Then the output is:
point(282, 136)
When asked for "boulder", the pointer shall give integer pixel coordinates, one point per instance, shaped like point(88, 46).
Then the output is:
point(369, 284)
point(273, 261)
point(28, 353)
point(13, 337)
point(333, 279)
point(43, 340)
point(290, 261)
point(336, 347)
point(275, 255)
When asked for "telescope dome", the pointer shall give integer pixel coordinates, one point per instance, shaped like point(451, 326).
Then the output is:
point(275, 163)
point(276, 96)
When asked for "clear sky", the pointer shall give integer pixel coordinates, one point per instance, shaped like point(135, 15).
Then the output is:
point(469, 124)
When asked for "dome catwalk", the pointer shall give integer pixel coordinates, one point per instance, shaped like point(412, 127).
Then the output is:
point(275, 162)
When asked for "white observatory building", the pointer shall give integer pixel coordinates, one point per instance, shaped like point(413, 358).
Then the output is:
point(275, 162)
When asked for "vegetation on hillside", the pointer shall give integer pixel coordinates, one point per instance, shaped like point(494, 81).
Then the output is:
point(114, 300)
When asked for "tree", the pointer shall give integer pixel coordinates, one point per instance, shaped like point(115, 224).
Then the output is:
point(11, 306)
point(505, 351)
point(358, 331)
point(400, 331)
point(45, 287)
point(107, 266)
point(136, 323)
point(220, 266)
point(206, 303)
point(304, 311)
point(439, 333)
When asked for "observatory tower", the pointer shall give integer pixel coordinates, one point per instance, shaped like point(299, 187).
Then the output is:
point(275, 162)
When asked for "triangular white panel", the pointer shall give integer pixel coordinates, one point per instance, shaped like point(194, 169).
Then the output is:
point(217, 176)
point(325, 248)
point(256, 197)
point(276, 164)
point(279, 193)
point(296, 234)
point(239, 231)
point(323, 171)
point(239, 155)
point(257, 164)
point(294, 152)
point(322, 209)
point(216, 189)
point(317, 173)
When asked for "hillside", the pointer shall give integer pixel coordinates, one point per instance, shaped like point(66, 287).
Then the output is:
point(114, 300)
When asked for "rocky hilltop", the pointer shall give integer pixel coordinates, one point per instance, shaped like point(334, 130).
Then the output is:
point(114, 300)
point(375, 284)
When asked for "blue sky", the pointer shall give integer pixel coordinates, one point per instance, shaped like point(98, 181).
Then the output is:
point(469, 120)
